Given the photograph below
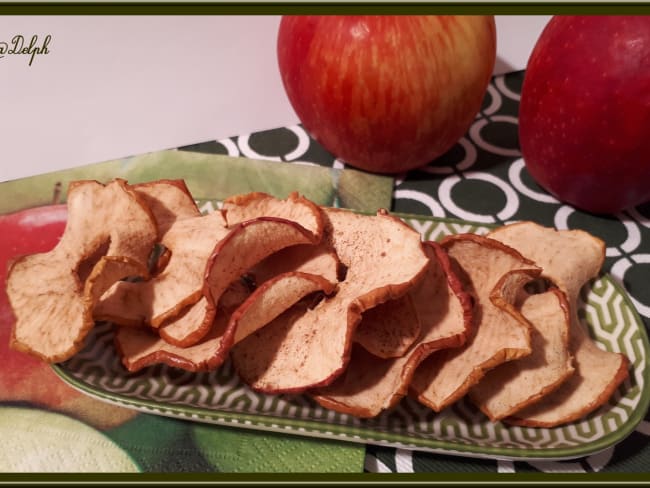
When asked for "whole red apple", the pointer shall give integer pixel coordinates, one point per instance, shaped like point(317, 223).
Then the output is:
point(386, 93)
point(584, 118)
point(24, 378)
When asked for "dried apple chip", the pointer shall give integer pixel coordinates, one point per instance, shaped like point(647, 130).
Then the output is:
point(389, 329)
point(109, 235)
point(570, 259)
point(318, 259)
point(130, 303)
point(140, 347)
point(281, 280)
point(371, 384)
point(443, 306)
point(368, 385)
point(168, 200)
point(493, 274)
point(295, 208)
point(517, 384)
point(310, 347)
point(170, 300)
point(246, 244)
point(174, 288)
point(241, 314)
point(273, 298)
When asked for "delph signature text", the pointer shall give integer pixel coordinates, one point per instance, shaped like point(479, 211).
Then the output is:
point(20, 45)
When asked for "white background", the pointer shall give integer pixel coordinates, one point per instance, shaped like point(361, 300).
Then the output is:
point(116, 86)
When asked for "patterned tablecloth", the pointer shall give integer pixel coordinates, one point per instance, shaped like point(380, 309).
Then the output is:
point(481, 179)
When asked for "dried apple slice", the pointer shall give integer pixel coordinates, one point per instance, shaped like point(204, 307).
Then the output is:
point(570, 259)
point(138, 303)
point(318, 259)
point(517, 384)
point(273, 298)
point(241, 314)
point(493, 274)
point(371, 384)
point(140, 347)
point(310, 347)
point(295, 208)
point(108, 236)
point(246, 244)
point(168, 200)
point(389, 329)
point(443, 306)
point(170, 300)
point(240, 208)
point(178, 286)
point(368, 385)
point(317, 262)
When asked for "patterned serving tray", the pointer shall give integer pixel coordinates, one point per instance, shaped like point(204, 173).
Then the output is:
point(219, 397)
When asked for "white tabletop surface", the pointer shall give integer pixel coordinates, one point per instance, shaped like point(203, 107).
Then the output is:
point(114, 86)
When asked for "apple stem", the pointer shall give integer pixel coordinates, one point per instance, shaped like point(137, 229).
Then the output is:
point(56, 194)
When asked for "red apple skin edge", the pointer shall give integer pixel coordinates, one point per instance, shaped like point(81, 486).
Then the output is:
point(584, 117)
point(386, 93)
point(24, 378)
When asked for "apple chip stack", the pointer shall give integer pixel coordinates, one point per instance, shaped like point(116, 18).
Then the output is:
point(354, 311)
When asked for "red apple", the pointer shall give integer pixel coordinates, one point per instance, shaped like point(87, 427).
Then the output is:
point(584, 118)
point(386, 93)
point(24, 378)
